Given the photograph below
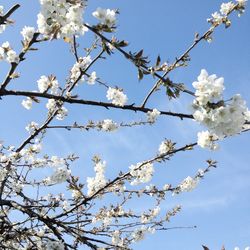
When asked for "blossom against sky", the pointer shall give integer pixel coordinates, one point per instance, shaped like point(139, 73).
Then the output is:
point(219, 205)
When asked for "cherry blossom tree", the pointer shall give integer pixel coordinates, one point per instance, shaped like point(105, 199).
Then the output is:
point(97, 212)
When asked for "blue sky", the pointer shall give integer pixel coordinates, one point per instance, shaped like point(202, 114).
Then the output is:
point(220, 206)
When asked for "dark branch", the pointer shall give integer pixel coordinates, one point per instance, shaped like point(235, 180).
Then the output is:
point(5, 92)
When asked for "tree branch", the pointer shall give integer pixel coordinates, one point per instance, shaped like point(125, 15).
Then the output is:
point(4, 18)
point(107, 105)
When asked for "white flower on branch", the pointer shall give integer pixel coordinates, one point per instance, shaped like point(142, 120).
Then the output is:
point(188, 184)
point(108, 125)
point(206, 140)
point(3, 172)
point(99, 181)
point(208, 88)
point(153, 115)
point(27, 103)
point(76, 194)
point(31, 127)
point(225, 8)
point(56, 161)
point(60, 175)
point(59, 19)
point(148, 217)
point(2, 26)
point(8, 54)
point(79, 67)
point(116, 96)
point(12, 57)
point(165, 147)
point(241, 2)
point(92, 78)
point(106, 16)
point(116, 239)
point(61, 112)
point(222, 118)
point(45, 83)
point(142, 173)
point(139, 234)
point(54, 245)
point(28, 33)
point(216, 19)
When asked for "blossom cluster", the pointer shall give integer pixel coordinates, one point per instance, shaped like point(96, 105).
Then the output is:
point(225, 9)
point(28, 33)
point(106, 215)
point(108, 125)
point(54, 244)
point(27, 103)
point(60, 175)
point(2, 26)
point(52, 105)
point(222, 118)
point(141, 172)
point(8, 54)
point(79, 67)
point(61, 18)
point(99, 181)
point(153, 115)
point(246, 248)
point(147, 217)
point(105, 16)
point(48, 83)
point(188, 184)
point(116, 96)
point(165, 147)
point(139, 233)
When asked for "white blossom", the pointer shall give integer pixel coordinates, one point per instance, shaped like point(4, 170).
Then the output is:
point(54, 245)
point(59, 19)
point(56, 161)
point(108, 125)
point(27, 103)
point(12, 57)
point(60, 175)
point(106, 16)
point(216, 19)
point(208, 87)
point(8, 54)
point(3, 172)
point(164, 147)
point(2, 54)
point(142, 172)
point(99, 181)
point(153, 115)
point(2, 26)
point(79, 67)
point(139, 234)
point(31, 127)
point(28, 33)
point(76, 194)
point(206, 140)
point(116, 96)
point(166, 187)
point(45, 83)
point(222, 118)
point(225, 8)
point(188, 184)
point(92, 78)
point(147, 217)
point(61, 112)
point(116, 239)
point(241, 2)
